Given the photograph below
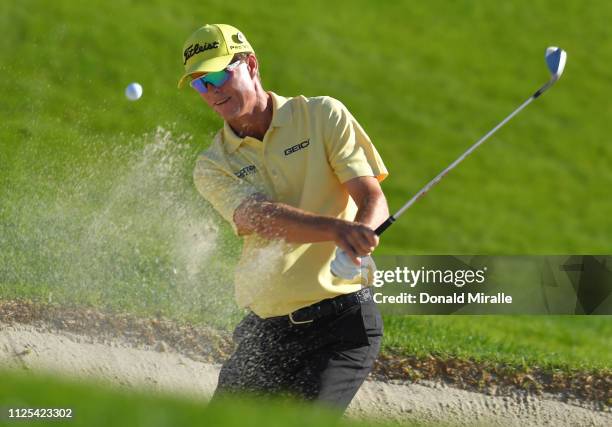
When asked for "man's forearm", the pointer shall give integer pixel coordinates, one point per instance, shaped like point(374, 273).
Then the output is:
point(274, 220)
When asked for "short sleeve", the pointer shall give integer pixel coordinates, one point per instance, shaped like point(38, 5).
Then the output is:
point(221, 188)
point(351, 153)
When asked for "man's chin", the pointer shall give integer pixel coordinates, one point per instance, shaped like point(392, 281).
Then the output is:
point(228, 111)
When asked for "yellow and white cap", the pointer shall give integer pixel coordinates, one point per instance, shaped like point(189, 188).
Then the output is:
point(211, 48)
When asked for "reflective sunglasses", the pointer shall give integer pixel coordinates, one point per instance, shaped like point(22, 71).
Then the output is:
point(216, 78)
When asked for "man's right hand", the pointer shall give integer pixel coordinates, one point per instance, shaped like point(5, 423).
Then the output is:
point(355, 239)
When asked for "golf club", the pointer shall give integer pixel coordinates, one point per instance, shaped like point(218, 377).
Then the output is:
point(555, 61)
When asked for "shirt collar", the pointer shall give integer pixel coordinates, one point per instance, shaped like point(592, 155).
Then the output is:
point(281, 110)
point(281, 116)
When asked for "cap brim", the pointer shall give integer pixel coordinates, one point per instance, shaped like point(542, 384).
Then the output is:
point(206, 66)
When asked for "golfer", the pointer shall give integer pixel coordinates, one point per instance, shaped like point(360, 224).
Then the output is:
point(296, 178)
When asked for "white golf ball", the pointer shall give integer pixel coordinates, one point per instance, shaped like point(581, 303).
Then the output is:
point(133, 91)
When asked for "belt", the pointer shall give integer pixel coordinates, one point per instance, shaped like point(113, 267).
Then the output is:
point(329, 306)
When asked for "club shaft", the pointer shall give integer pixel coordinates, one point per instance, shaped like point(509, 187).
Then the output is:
point(450, 167)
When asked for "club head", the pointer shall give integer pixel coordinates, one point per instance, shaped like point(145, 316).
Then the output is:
point(555, 60)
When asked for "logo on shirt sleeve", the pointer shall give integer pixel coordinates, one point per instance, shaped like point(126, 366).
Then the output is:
point(245, 171)
point(297, 147)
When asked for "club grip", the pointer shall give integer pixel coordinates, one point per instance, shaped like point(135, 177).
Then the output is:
point(382, 227)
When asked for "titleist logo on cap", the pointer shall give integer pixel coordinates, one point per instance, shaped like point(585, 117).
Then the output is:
point(194, 49)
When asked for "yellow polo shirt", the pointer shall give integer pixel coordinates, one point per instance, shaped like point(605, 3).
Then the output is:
point(312, 146)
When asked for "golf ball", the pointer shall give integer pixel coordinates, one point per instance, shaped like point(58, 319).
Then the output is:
point(133, 91)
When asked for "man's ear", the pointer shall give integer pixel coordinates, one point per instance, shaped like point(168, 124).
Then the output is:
point(253, 65)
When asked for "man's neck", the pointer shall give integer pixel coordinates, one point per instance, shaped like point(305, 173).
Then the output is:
point(256, 123)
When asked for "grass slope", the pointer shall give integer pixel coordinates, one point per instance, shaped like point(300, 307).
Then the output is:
point(548, 342)
point(99, 405)
point(425, 80)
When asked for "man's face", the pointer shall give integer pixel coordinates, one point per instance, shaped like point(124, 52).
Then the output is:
point(237, 95)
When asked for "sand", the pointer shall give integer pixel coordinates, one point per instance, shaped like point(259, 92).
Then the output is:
point(155, 368)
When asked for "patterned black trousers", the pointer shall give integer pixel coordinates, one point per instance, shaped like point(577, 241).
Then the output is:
point(325, 361)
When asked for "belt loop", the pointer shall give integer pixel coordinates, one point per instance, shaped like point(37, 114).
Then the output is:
point(295, 322)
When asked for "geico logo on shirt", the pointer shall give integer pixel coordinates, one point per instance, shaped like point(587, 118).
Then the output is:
point(194, 49)
point(247, 170)
point(297, 147)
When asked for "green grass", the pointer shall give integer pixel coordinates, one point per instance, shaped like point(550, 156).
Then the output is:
point(96, 207)
point(99, 405)
point(549, 342)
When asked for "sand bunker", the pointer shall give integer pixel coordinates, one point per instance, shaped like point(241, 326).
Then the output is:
point(154, 367)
